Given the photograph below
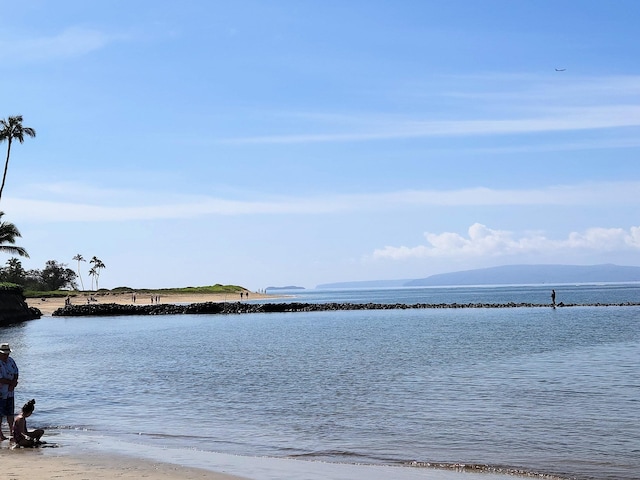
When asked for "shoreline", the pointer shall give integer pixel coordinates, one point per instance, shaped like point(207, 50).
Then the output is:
point(49, 305)
point(103, 458)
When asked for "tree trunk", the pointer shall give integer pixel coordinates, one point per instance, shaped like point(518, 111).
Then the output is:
point(6, 165)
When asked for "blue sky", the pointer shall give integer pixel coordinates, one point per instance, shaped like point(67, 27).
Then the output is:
point(264, 143)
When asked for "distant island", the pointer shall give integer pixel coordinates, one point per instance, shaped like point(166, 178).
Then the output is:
point(510, 275)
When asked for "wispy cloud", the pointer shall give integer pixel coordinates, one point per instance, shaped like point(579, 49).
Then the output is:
point(482, 241)
point(574, 119)
point(526, 91)
point(72, 42)
point(478, 106)
point(56, 203)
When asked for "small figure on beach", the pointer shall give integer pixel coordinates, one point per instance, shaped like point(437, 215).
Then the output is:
point(21, 435)
point(553, 298)
point(8, 382)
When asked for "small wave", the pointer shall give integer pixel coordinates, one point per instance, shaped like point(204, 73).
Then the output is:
point(483, 468)
point(78, 428)
point(324, 454)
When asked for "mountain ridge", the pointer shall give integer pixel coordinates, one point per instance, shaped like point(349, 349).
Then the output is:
point(510, 275)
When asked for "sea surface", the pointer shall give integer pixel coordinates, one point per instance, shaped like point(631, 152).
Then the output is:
point(533, 390)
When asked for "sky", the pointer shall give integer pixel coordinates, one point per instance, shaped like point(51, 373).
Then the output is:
point(303, 142)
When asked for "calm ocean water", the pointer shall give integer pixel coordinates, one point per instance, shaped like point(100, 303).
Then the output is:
point(532, 389)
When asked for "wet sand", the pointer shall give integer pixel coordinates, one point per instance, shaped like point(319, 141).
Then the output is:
point(26, 463)
point(53, 464)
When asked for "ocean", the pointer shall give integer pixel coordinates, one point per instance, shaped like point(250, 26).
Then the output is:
point(529, 390)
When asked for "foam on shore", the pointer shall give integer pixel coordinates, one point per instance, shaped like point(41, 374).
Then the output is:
point(99, 457)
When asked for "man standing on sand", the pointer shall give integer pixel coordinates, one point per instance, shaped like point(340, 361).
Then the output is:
point(8, 382)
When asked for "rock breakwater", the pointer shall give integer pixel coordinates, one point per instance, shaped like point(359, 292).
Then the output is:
point(113, 309)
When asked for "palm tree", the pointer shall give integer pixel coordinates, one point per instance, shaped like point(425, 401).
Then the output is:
point(80, 258)
point(12, 129)
point(8, 234)
point(97, 266)
point(92, 274)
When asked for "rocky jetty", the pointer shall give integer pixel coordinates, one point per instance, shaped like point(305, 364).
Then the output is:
point(113, 309)
point(13, 306)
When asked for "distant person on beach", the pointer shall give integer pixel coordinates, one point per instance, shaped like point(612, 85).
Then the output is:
point(8, 382)
point(553, 298)
point(21, 435)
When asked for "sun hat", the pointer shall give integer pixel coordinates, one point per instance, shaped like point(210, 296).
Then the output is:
point(4, 348)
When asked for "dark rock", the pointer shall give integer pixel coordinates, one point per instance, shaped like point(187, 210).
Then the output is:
point(14, 308)
point(112, 309)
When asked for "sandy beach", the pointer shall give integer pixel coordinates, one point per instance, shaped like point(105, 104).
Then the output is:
point(52, 464)
point(23, 464)
point(49, 305)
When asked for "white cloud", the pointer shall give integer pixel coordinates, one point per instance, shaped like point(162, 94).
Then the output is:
point(482, 241)
point(71, 42)
point(55, 202)
point(605, 239)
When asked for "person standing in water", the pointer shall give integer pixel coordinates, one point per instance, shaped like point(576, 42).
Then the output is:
point(8, 382)
point(553, 298)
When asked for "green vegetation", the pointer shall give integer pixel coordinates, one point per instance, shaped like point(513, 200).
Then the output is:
point(55, 276)
point(49, 293)
point(217, 288)
point(7, 287)
point(12, 275)
point(98, 265)
point(79, 258)
point(210, 289)
point(56, 280)
point(12, 129)
point(8, 234)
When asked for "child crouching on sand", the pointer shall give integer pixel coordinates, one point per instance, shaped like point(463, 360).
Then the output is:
point(21, 436)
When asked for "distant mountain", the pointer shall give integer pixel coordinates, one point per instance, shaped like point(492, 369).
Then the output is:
point(510, 275)
point(533, 274)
